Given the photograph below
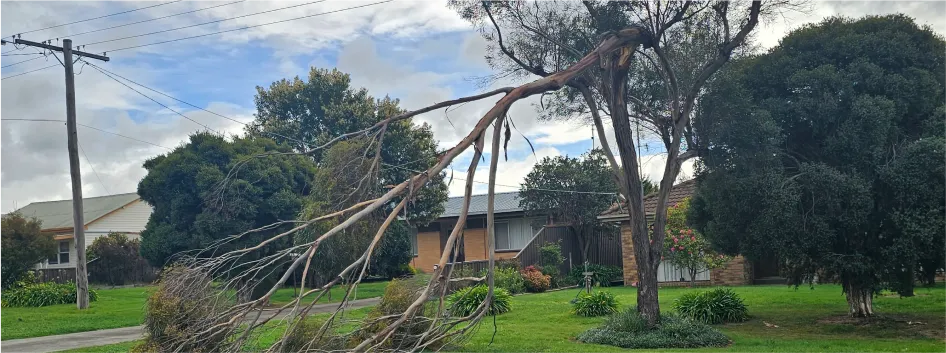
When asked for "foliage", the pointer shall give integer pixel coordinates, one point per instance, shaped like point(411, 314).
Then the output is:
point(628, 329)
point(310, 113)
point(715, 306)
point(534, 280)
point(23, 246)
point(43, 294)
point(117, 260)
point(211, 188)
point(603, 275)
point(599, 303)
point(465, 301)
point(827, 153)
point(397, 297)
point(550, 258)
point(686, 248)
point(306, 335)
point(510, 279)
point(579, 210)
point(393, 253)
point(178, 312)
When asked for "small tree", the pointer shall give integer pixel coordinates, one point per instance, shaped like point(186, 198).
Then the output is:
point(590, 178)
point(23, 246)
point(686, 248)
point(117, 260)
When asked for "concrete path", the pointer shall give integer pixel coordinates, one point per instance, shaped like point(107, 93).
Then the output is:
point(117, 335)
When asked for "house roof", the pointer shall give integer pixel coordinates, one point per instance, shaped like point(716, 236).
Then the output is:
point(677, 194)
point(504, 202)
point(58, 214)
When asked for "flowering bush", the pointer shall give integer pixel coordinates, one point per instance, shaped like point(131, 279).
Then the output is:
point(686, 248)
point(535, 281)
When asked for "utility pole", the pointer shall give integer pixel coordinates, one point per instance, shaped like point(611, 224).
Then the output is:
point(78, 221)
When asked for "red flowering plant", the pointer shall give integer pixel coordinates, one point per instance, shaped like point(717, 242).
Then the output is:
point(686, 248)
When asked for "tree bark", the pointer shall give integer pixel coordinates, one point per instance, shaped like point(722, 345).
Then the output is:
point(616, 86)
point(860, 300)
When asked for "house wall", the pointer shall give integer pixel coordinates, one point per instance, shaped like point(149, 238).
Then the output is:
point(429, 247)
point(131, 218)
point(428, 251)
point(735, 272)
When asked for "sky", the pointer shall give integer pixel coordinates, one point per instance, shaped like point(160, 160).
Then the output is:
point(420, 52)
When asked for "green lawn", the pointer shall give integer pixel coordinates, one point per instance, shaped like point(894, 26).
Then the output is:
point(364, 290)
point(120, 307)
point(809, 320)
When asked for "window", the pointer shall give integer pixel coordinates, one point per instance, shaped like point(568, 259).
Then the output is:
point(502, 236)
point(413, 237)
point(63, 256)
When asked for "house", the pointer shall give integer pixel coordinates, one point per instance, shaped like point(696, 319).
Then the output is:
point(514, 231)
point(121, 213)
point(738, 271)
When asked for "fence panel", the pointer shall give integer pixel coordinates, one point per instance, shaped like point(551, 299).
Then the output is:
point(604, 247)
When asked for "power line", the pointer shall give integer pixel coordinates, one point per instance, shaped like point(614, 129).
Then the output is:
point(148, 20)
point(248, 27)
point(24, 73)
point(90, 127)
point(14, 54)
point(205, 23)
point(95, 18)
point(152, 99)
point(93, 169)
point(190, 104)
point(20, 62)
point(511, 186)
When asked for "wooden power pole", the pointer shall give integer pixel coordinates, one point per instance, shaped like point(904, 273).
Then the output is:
point(78, 221)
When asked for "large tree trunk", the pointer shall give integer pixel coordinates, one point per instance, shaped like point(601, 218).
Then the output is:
point(860, 300)
point(647, 304)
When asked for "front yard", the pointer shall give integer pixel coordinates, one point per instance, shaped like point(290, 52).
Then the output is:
point(808, 320)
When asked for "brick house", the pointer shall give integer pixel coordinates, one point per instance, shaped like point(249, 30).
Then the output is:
point(514, 231)
point(739, 271)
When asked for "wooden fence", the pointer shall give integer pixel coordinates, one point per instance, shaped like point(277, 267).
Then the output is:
point(604, 248)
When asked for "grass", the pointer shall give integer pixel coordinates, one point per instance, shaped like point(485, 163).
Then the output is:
point(809, 320)
point(121, 307)
point(364, 290)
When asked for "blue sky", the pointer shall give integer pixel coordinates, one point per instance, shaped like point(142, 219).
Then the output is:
point(419, 52)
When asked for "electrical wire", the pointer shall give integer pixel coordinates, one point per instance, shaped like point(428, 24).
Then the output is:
point(247, 27)
point(93, 168)
point(20, 62)
point(24, 73)
point(189, 104)
point(96, 18)
point(148, 20)
point(14, 54)
point(509, 186)
point(90, 127)
point(152, 99)
point(201, 24)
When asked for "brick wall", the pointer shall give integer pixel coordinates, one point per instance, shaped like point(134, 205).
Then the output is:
point(474, 244)
point(428, 251)
point(736, 272)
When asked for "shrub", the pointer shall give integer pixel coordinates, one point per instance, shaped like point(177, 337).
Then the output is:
point(23, 246)
point(628, 329)
point(303, 338)
point(712, 307)
point(535, 281)
point(465, 301)
point(550, 258)
point(599, 303)
point(508, 278)
point(603, 275)
point(178, 312)
point(397, 297)
point(43, 294)
point(117, 261)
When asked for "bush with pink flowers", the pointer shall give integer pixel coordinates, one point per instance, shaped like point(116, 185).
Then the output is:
point(686, 248)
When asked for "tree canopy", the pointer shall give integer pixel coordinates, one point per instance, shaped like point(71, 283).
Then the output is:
point(23, 246)
point(211, 188)
point(828, 153)
point(309, 113)
point(589, 176)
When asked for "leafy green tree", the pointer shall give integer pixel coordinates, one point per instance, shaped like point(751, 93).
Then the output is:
point(117, 261)
point(210, 188)
point(686, 248)
point(589, 174)
point(827, 152)
point(309, 113)
point(23, 246)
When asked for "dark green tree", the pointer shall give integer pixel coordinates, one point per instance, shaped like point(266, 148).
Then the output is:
point(827, 152)
point(211, 188)
point(23, 246)
point(309, 113)
point(590, 175)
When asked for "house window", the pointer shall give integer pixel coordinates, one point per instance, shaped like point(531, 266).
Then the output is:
point(502, 236)
point(413, 237)
point(63, 256)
